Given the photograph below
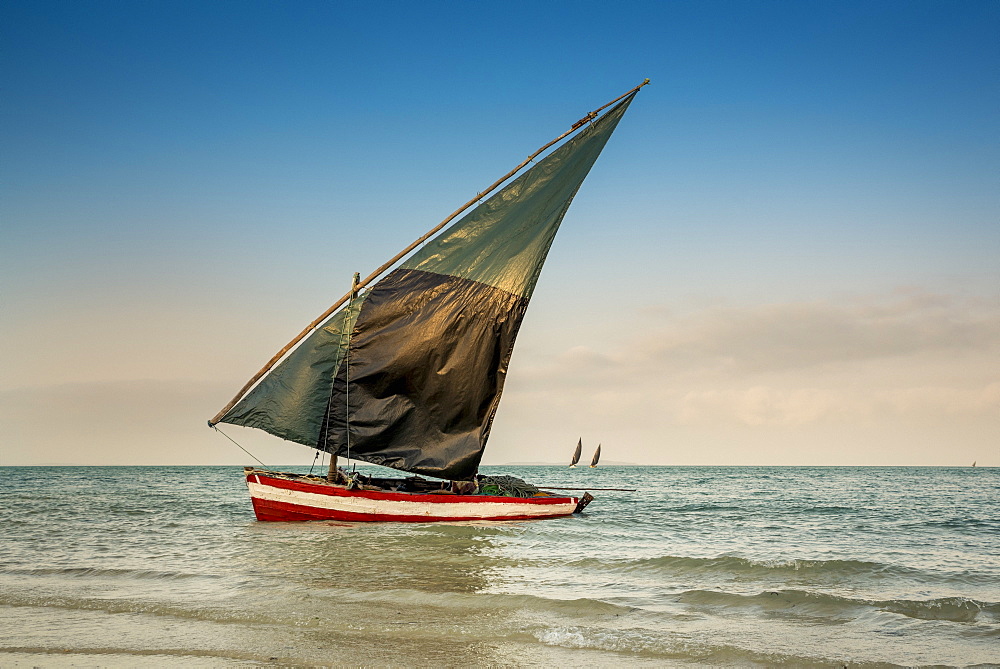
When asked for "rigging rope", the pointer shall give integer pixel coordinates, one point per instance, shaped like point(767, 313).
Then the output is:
point(347, 391)
point(347, 364)
point(345, 329)
point(216, 427)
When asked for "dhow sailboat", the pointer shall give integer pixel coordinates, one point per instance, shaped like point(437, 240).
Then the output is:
point(406, 370)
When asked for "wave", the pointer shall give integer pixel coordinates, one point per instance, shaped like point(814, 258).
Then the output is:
point(739, 566)
point(144, 606)
point(953, 609)
point(131, 657)
point(680, 648)
point(818, 509)
point(688, 508)
point(975, 526)
point(489, 601)
point(84, 572)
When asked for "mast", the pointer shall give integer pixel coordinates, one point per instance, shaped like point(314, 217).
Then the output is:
point(378, 272)
point(331, 475)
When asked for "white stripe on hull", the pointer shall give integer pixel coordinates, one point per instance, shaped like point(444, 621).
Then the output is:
point(407, 508)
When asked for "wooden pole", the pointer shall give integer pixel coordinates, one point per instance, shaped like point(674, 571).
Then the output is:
point(331, 474)
point(545, 487)
point(378, 272)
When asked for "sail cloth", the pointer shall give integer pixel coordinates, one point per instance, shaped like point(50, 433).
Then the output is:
point(291, 401)
point(429, 343)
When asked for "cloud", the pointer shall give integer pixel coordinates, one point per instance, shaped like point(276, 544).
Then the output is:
point(795, 336)
point(763, 405)
point(912, 354)
point(904, 379)
point(757, 405)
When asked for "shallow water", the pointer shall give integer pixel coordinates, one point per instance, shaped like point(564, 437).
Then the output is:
point(118, 566)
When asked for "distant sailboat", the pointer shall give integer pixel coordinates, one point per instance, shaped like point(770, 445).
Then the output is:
point(973, 463)
point(597, 457)
point(576, 453)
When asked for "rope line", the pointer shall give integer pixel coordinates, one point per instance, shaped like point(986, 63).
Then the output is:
point(216, 427)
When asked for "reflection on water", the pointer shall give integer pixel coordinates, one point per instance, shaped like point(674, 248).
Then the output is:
point(348, 587)
point(452, 557)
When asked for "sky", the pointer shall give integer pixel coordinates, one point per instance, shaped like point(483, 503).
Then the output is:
point(788, 253)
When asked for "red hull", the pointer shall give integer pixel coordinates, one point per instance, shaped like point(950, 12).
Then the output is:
point(276, 498)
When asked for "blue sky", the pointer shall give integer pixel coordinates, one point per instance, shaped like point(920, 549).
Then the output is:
point(794, 230)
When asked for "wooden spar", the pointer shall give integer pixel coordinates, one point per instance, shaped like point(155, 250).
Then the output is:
point(378, 272)
point(546, 487)
point(331, 474)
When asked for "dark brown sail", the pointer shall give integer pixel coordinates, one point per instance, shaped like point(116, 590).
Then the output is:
point(596, 458)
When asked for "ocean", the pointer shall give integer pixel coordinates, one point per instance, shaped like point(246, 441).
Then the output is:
point(701, 566)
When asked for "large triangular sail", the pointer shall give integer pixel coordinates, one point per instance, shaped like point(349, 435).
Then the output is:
point(409, 374)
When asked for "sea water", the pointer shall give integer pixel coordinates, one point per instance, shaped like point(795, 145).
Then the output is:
point(166, 566)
